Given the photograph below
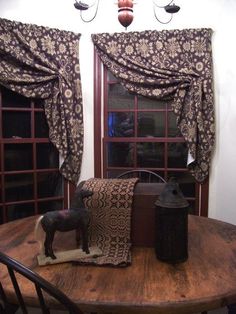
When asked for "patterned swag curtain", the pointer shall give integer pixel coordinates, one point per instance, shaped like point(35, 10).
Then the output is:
point(170, 64)
point(40, 62)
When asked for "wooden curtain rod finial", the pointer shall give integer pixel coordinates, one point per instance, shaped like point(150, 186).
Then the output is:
point(125, 12)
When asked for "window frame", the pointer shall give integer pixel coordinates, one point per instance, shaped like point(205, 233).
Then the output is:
point(202, 190)
point(33, 141)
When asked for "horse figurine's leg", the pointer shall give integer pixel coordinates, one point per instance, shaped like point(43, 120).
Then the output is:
point(77, 237)
point(84, 232)
point(48, 244)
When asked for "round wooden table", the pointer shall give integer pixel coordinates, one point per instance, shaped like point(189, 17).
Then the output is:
point(207, 280)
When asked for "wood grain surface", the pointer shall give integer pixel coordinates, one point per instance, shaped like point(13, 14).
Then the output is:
point(207, 280)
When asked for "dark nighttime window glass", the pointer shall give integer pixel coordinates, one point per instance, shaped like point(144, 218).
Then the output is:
point(19, 187)
point(186, 182)
point(177, 155)
point(148, 103)
point(111, 77)
point(120, 154)
point(38, 103)
point(119, 98)
point(49, 184)
point(44, 207)
point(120, 124)
point(18, 157)
point(18, 211)
point(150, 155)
point(173, 130)
point(41, 125)
point(14, 100)
point(151, 124)
point(47, 156)
point(16, 124)
point(26, 155)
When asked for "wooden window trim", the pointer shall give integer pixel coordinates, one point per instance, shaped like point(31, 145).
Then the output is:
point(202, 193)
point(97, 116)
point(67, 186)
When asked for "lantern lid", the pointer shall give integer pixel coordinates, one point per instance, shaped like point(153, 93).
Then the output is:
point(171, 196)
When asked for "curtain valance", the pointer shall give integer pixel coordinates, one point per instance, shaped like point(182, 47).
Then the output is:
point(42, 62)
point(169, 64)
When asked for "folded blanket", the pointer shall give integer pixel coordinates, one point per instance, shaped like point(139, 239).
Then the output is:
point(110, 225)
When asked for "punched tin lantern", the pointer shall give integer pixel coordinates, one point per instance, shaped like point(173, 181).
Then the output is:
point(171, 220)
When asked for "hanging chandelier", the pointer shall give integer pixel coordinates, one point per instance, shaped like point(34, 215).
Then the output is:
point(125, 10)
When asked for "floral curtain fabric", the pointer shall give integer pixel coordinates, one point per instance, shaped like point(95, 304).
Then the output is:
point(170, 64)
point(42, 62)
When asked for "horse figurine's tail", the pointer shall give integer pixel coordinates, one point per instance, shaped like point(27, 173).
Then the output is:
point(39, 234)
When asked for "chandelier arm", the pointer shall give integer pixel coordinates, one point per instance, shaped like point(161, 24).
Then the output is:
point(154, 9)
point(161, 7)
point(95, 14)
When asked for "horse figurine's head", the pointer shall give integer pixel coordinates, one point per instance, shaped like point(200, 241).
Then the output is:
point(78, 199)
point(85, 193)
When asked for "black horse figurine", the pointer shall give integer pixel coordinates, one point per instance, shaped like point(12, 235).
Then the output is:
point(76, 217)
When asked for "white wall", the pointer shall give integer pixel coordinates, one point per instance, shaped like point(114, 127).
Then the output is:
point(220, 15)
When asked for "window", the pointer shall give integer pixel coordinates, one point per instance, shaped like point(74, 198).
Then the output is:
point(135, 132)
point(29, 164)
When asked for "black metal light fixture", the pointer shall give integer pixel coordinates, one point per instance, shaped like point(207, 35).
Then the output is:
point(125, 10)
point(170, 8)
point(82, 6)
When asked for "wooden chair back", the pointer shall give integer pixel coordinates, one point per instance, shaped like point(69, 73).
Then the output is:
point(143, 175)
point(42, 288)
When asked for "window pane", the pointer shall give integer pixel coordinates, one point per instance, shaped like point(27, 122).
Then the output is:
point(119, 97)
point(47, 156)
point(44, 207)
point(186, 182)
point(49, 184)
point(41, 125)
point(115, 173)
point(38, 103)
point(13, 99)
point(120, 154)
point(173, 130)
point(120, 124)
point(149, 103)
point(177, 155)
point(16, 124)
point(110, 76)
point(18, 211)
point(150, 155)
point(19, 187)
point(18, 157)
point(151, 124)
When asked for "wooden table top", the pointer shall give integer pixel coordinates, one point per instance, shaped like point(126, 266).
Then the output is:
point(207, 280)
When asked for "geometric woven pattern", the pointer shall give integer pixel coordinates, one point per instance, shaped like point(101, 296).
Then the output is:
point(110, 219)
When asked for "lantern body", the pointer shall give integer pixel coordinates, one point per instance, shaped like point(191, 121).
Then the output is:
point(171, 220)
